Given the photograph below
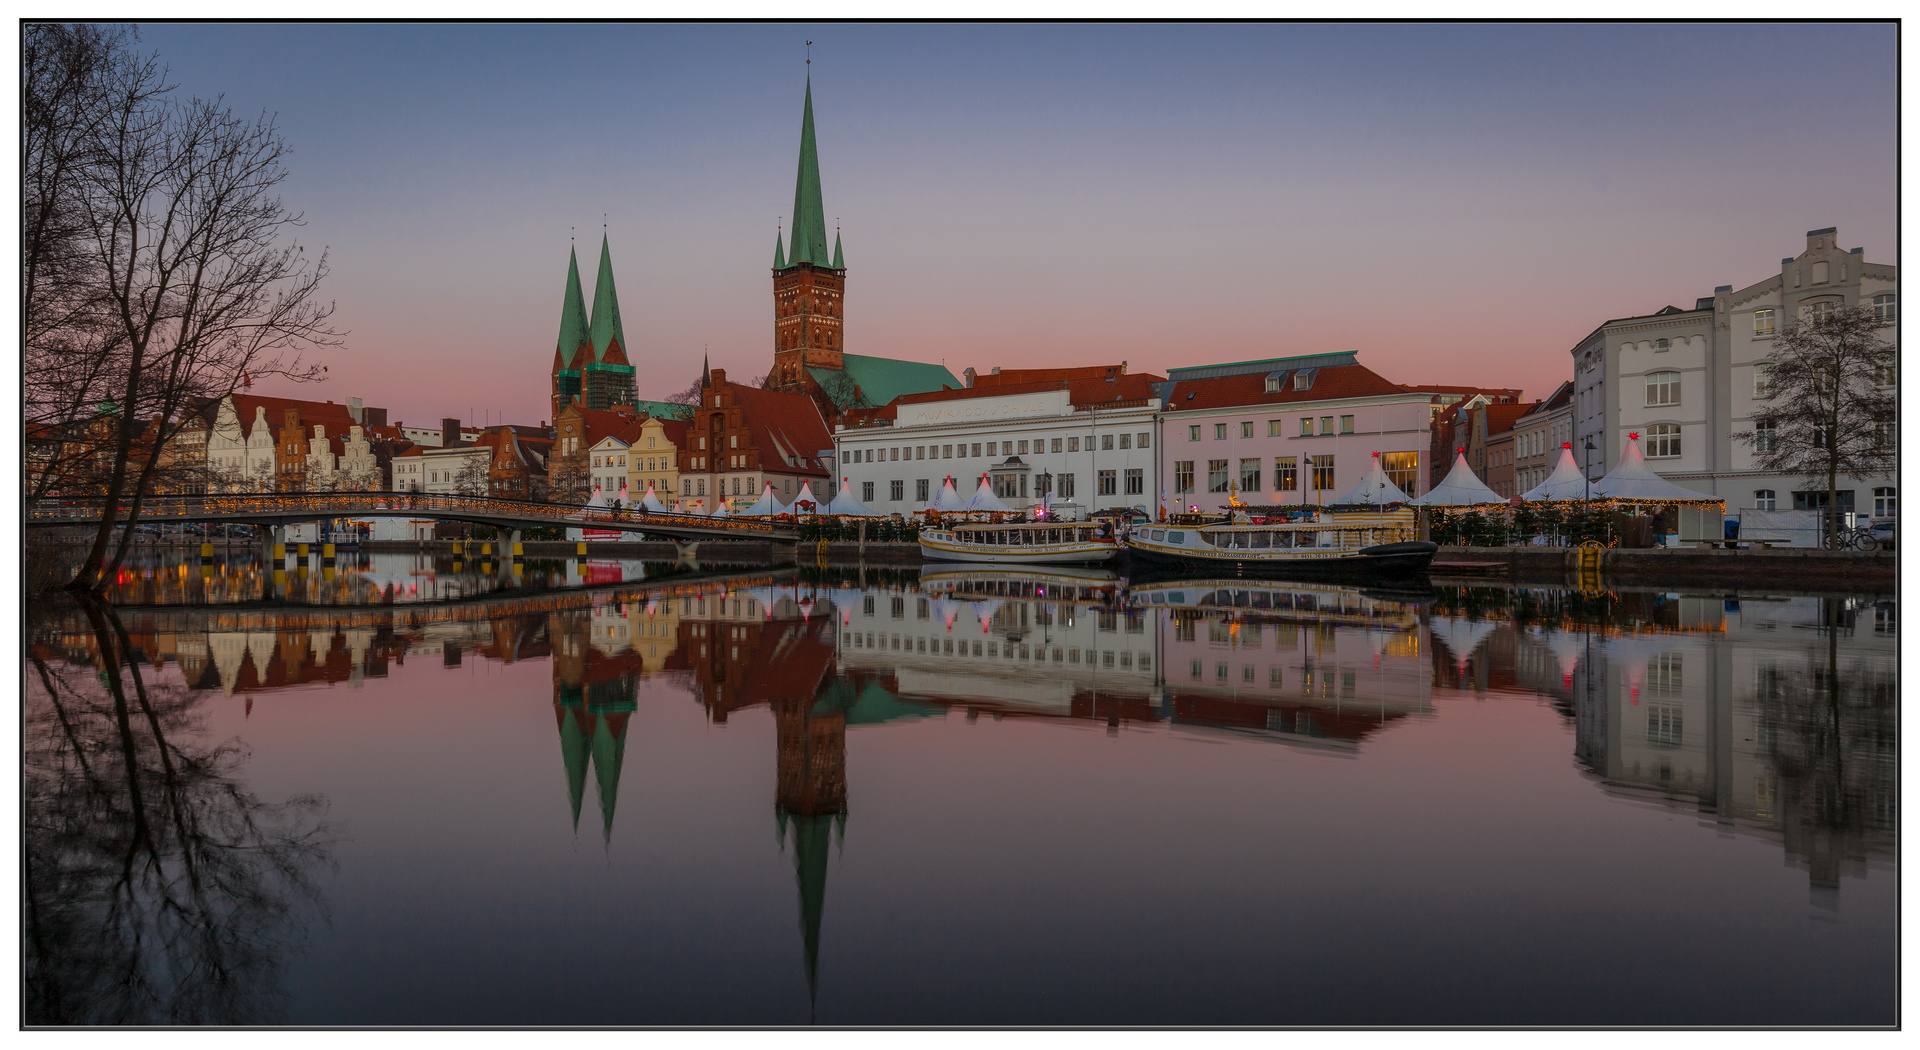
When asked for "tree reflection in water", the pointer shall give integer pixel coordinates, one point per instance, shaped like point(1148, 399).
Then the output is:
point(157, 888)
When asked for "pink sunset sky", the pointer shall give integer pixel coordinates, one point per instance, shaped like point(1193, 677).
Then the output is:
point(1458, 203)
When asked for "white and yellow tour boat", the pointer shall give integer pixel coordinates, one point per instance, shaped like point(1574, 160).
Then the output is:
point(1370, 541)
point(1022, 543)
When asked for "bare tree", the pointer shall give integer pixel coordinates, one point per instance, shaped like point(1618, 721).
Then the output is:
point(689, 396)
point(1829, 409)
point(473, 476)
point(168, 234)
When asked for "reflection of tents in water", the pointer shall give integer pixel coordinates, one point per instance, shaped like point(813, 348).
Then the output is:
point(1567, 648)
point(1461, 636)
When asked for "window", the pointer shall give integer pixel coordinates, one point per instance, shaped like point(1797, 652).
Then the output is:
point(1663, 725)
point(1106, 442)
point(1306, 426)
point(1065, 486)
point(1322, 471)
point(1273, 428)
point(1326, 424)
point(1219, 431)
point(992, 448)
point(1183, 476)
point(1346, 424)
point(1663, 388)
point(1663, 441)
point(1884, 371)
point(1073, 444)
point(1136, 481)
point(1763, 437)
point(1273, 383)
point(1143, 440)
point(1246, 429)
point(1401, 468)
point(1193, 433)
point(896, 490)
point(1817, 312)
point(1303, 379)
point(686, 487)
point(946, 451)
point(1884, 435)
point(920, 489)
point(1126, 441)
point(1662, 345)
point(866, 492)
point(1107, 486)
point(1763, 499)
point(1216, 475)
point(1250, 475)
point(1762, 323)
point(1762, 381)
point(1884, 309)
point(1286, 474)
point(1883, 503)
point(1820, 273)
point(1058, 444)
point(976, 448)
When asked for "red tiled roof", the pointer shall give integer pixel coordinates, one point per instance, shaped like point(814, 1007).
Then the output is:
point(1011, 376)
point(782, 425)
point(1084, 386)
point(1339, 381)
point(310, 411)
point(600, 422)
point(1500, 417)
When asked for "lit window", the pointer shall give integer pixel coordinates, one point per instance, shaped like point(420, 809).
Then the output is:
point(1762, 323)
point(1762, 380)
point(1663, 388)
point(1663, 441)
point(1346, 424)
point(1306, 426)
point(1322, 472)
point(1193, 433)
point(1273, 428)
point(1246, 430)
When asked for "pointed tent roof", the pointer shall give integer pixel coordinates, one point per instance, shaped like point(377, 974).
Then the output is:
point(948, 498)
point(573, 313)
point(984, 499)
point(766, 506)
point(651, 502)
point(1633, 479)
point(809, 218)
point(599, 498)
point(1375, 488)
point(844, 503)
point(606, 328)
point(1566, 481)
point(720, 507)
point(1460, 488)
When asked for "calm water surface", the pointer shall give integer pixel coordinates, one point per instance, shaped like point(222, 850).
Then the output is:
point(782, 797)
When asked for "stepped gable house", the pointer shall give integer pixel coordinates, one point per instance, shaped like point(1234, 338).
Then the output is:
point(809, 312)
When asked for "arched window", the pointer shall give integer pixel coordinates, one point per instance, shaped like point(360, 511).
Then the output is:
point(1663, 388)
point(1763, 499)
point(1663, 441)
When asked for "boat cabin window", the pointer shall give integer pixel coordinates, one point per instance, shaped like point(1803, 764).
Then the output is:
point(1176, 537)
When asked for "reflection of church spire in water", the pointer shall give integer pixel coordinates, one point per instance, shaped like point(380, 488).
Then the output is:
point(811, 799)
point(609, 750)
point(593, 731)
point(811, 837)
point(573, 745)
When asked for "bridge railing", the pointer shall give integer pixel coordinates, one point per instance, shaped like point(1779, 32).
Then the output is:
point(396, 504)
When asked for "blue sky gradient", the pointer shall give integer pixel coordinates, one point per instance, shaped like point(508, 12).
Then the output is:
point(1459, 203)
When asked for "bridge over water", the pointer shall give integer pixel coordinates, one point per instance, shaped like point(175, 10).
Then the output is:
point(271, 509)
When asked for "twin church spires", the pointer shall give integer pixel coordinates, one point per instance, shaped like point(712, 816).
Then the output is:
point(590, 365)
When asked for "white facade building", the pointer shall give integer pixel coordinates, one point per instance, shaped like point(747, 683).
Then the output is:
point(1085, 435)
point(1686, 381)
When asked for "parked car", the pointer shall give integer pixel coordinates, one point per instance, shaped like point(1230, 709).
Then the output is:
point(1883, 534)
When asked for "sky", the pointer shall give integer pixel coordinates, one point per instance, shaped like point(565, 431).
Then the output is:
point(1458, 203)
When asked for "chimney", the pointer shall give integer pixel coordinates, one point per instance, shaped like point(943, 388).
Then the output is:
point(354, 408)
point(967, 377)
point(449, 432)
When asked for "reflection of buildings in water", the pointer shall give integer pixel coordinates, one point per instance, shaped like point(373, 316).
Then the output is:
point(1776, 716)
point(1301, 663)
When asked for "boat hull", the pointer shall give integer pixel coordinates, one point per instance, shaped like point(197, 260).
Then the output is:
point(1059, 554)
point(1410, 556)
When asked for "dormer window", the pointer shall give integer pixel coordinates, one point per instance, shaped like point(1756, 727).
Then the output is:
point(1663, 344)
point(1303, 379)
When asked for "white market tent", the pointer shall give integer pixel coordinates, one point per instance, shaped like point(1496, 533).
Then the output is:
point(650, 502)
point(1376, 488)
point(947, 499)
point(766, 506)
point(719, 508)
point(1460, 488)
point(844, 503)
point(1566, 481)
point(624, 500)
point(1633, 479)
point(599, 498)
point(984, 499)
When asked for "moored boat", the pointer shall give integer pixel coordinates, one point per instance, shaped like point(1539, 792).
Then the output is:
point(1357, 542)
point(1021, 543)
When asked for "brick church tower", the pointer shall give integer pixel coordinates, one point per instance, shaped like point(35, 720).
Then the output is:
point(809, 286)
point(590, 366)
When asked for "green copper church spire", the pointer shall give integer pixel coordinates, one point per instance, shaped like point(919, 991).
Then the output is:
point(573, 313)
point(606, 328)
point(809, 217)
point(838, 262)
point(779, 260)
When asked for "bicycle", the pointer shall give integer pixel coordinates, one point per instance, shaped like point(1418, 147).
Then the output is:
point(1860, 539)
